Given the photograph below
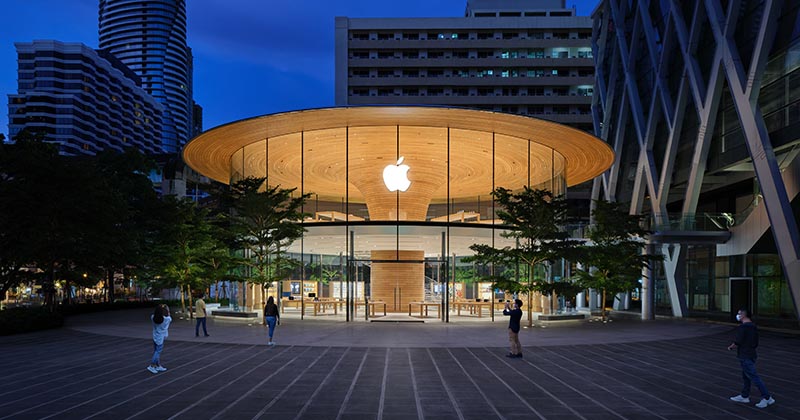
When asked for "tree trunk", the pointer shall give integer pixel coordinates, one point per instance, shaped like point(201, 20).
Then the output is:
point(110, 285)
point(183, 301)
point(603, 307)
point(530, 310)
point(191, 301)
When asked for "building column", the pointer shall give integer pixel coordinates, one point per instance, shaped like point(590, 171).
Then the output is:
point(648, 295)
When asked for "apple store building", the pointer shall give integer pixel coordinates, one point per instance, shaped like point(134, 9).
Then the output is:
point(397, 197)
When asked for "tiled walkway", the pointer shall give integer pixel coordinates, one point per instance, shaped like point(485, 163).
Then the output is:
point(72, 373)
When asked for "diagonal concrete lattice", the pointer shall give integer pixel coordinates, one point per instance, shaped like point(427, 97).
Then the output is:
point(634, 105)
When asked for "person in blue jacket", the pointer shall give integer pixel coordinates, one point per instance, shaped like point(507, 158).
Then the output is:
point(514, 311)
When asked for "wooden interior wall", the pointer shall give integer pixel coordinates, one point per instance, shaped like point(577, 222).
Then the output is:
point(398, 283)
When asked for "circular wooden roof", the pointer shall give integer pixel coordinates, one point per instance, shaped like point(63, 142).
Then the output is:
point(373, 132)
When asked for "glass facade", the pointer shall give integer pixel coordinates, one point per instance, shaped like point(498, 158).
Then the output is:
point(401, 248)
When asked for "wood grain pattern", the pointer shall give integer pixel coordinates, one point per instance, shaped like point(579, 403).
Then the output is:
point(399, 283)
point(373, 139)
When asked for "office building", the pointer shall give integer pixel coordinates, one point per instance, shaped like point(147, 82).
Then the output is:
point(150, 38)
point(83, 100)
point(701, 102)
point(529, 57)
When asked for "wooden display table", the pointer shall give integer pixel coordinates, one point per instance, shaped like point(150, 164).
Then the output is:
point(425, 306)
point(473, 307)
point(372, 305)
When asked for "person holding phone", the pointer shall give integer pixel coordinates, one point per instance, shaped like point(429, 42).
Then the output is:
point(514, 311)
point(161, 321)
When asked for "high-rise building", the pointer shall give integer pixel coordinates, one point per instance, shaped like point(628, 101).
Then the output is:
point(150, 38)
point(701, 101)
point(83, 100)
point(530, 57)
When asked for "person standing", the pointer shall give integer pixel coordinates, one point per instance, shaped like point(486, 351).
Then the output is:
point(161, 321)
point(271, 318)
point(745, 343)
point(514, 311)
point(200, 315)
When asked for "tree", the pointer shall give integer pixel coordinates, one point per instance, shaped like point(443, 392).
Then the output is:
point(535, 219)
point(265, 221)
point(188, 240)
point(613, 261)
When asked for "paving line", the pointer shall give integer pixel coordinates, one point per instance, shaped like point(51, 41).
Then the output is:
point(725, 369)
point(480, 391)
point(323, 383)
point(684, 385)
point(604, 374)
point(383, 383)
point(352, 384)
point(540, 387)
point(286, 388)
point(259, 384)
point(420, 415)
point(137, 373)
point(219, 389)
point(172, 395)
point(446, 387)
point(57, 375)
point(72, 384)
point(61, 359)
point(679, 385)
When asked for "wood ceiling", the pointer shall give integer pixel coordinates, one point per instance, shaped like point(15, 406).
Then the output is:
point(374, 134)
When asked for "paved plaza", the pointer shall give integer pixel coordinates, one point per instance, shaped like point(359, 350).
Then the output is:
point(322, 369)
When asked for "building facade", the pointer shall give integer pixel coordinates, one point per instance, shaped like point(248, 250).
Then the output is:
point(531, 58)
point(150, 38)
point(83, 100)
point(701, 102)
point(398, 195)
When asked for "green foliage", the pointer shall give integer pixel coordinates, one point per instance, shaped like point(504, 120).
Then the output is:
point(264, 222)
point(613, 260)
point(535, 219)
point(22, 320)
point(67, 215)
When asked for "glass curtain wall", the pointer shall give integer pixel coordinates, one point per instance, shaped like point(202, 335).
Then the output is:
point(371, 247)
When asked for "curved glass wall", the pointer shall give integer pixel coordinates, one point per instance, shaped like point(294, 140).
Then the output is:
point(392, 213)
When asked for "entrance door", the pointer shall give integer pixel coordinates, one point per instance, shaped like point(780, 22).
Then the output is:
point(741, 294)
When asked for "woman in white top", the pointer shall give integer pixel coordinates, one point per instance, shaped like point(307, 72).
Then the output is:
point(161, 321)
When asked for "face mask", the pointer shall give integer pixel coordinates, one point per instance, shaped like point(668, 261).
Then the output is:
point(738, 317)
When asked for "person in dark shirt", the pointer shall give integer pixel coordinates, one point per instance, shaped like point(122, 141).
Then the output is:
point(745, 343)
point(271, 317)
point(515, 313)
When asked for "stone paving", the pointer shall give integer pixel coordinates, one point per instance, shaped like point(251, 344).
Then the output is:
point(621, 370)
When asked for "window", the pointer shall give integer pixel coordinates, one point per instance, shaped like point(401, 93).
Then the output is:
point(410, 36)
point(385, 37)
point(585, 54)
point(536, 35)
point(536, 73)
point(410, 92)
point(536, 53)
point(460, 54)
point(360, 54)
point(485, 35)
point(435, 54)
point(410, 54)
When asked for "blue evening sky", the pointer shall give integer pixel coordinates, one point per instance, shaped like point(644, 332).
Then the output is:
point(251, 57)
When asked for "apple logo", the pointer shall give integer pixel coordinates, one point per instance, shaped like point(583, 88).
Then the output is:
point(396, 176)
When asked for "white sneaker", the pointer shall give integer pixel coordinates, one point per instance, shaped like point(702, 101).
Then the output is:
point(271, 343)
point(151, 369)
point(161, 368)
point(740, 399)
point(764, 403)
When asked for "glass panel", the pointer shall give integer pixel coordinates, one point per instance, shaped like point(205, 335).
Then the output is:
point(424, 154)
point(237, 166)
point(371, 150)
point(255, 159)
point(470, 180)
